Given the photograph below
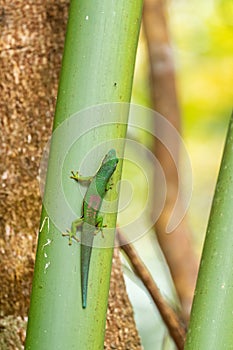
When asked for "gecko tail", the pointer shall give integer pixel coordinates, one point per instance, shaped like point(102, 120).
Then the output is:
point(84, 289)
point(85, 263)
point(84, 302)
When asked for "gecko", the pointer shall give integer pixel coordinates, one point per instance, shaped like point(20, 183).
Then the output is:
point(91, 222)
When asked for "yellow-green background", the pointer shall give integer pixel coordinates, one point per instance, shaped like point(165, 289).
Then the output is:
point(202, 42)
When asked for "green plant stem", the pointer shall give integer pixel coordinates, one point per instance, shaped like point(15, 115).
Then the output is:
point(211, 318)
point(97, 68)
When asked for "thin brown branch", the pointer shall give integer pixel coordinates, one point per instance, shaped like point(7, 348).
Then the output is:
point(171, 319)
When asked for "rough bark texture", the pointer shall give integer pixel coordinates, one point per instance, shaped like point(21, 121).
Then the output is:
point(177, 246)
point(121, 330)
point(32, 40)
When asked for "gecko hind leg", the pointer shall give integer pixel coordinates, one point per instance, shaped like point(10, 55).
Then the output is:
point(99, 225)
point(72, 233)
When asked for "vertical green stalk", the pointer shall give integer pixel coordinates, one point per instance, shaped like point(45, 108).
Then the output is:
point(212, 313)
point(97, 68)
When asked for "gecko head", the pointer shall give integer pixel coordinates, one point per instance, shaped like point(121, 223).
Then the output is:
point(109, 162)
point(111, 158)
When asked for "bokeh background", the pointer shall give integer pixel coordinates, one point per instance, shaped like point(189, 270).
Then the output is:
point(201, 36)
point(202, 40)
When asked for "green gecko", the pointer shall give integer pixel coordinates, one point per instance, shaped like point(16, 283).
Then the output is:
point(90, 222)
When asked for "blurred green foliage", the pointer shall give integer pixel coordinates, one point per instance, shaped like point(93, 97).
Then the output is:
point(207, 75)
point(201, 38)
point(201, 35)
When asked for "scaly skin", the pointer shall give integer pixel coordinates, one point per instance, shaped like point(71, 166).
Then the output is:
point(90, 222)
